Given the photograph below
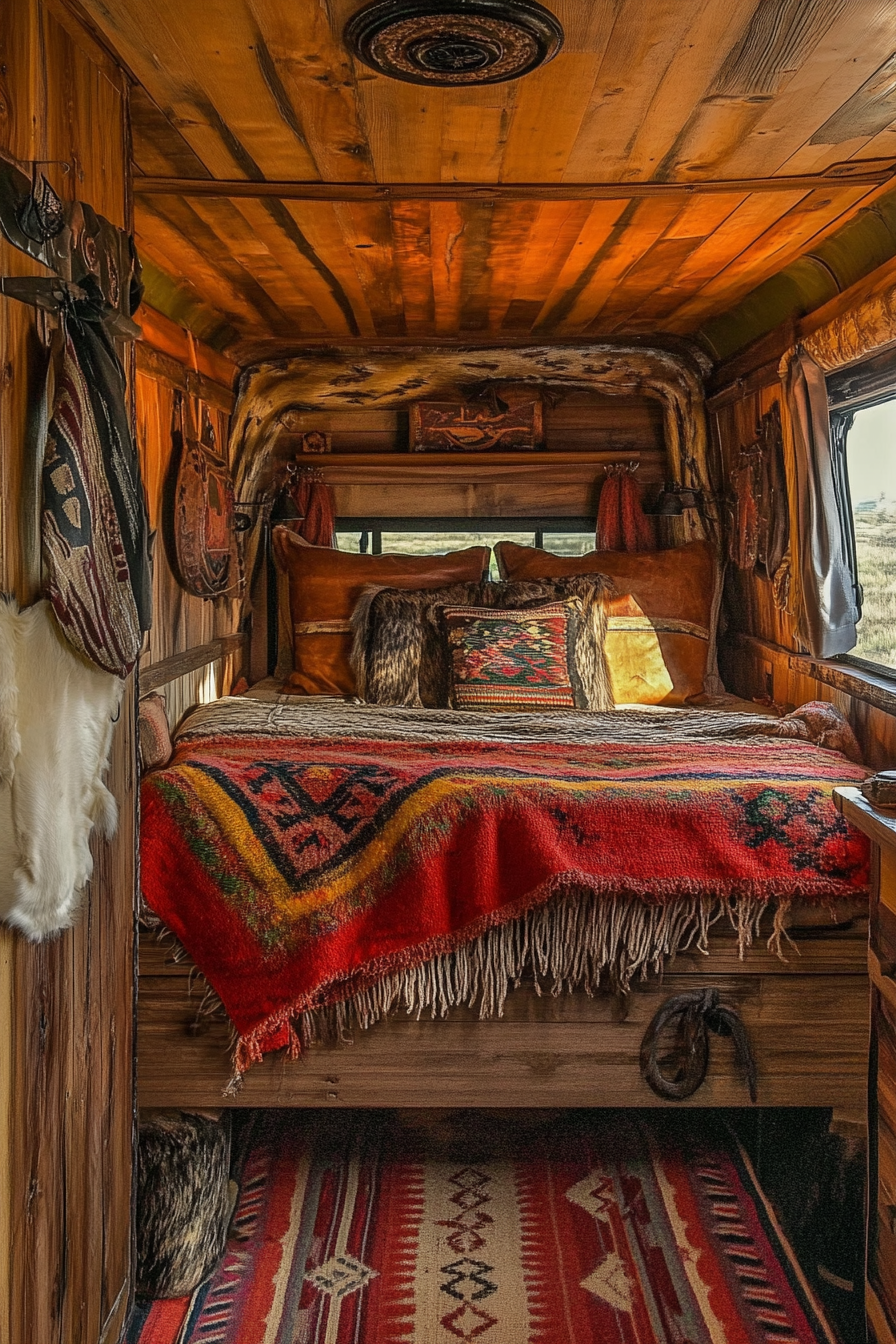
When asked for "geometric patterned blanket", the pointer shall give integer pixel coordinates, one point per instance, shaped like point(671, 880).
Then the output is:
point(301, 870)
point(355, 1228)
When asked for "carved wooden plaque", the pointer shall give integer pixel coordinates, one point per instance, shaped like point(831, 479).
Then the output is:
point(475, 427)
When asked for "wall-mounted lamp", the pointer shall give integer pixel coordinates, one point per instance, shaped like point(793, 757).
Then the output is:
point(673, 500)
point(454, 42)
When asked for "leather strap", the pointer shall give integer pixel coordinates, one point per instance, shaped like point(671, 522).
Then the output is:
point(322, 627)
point(681, 1028)
point(658, 624)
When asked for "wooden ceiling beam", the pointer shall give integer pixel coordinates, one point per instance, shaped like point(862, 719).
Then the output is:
point(844, 176)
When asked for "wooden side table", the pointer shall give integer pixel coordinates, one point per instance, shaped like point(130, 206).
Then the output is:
point(880, 1254)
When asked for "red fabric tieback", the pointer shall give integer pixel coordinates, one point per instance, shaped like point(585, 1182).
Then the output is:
point(622, 524)
point(313, 499)
point(609, 516)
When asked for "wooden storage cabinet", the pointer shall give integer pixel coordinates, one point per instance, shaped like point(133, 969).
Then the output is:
point(880, 1288)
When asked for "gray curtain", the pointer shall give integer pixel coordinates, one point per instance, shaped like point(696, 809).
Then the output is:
point(822, 549)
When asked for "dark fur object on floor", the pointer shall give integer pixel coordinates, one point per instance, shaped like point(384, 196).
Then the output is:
point(184, 1201)
point(399, 655)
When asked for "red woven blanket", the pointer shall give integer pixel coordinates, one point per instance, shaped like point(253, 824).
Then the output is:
point(301, 871)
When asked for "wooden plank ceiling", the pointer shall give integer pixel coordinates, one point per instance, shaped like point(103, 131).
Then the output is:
point(643, 90)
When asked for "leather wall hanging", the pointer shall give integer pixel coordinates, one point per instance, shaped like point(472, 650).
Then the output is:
point(200, 530)
point(760, 522)
point(774, 515)
point(94, 529)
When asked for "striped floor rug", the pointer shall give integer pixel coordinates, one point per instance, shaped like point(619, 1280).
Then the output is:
point(588, 1228)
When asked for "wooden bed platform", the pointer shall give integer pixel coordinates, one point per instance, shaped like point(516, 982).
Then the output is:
point(808, 1020)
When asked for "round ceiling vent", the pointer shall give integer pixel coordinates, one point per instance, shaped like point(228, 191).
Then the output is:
point(454, 42)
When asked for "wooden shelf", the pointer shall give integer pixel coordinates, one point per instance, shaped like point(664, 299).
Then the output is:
point(464, 485)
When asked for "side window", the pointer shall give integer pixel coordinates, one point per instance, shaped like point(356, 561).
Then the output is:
point(870, 455)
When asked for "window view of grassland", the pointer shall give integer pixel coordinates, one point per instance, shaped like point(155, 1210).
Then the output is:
point(871, 461)
point(437, 543)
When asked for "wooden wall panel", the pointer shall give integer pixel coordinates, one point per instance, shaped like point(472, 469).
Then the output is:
point(66, 1008)
point(180, 620)
point(756, 654)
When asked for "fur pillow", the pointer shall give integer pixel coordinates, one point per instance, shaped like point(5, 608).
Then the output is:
point(399, 653)
point(184, 1201)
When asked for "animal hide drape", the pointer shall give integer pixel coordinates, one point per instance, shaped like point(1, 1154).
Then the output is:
point(56, 719)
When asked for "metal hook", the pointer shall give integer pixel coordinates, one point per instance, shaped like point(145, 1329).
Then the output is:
point(64, 164)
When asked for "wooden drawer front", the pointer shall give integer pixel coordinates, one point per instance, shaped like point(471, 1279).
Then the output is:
point(886, 874)
point(883, 926)
point(882, 1240)
point(809, 1034)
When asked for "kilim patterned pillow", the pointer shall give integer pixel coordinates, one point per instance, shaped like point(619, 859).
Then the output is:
point(514, 659)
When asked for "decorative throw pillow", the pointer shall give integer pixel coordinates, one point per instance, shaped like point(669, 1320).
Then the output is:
point(184, 1201)
point(399, 654)
point(658, 632)
point(514, 659)
point(153, 733)
point(325, 585)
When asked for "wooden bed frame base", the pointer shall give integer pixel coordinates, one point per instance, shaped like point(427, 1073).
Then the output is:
point(808, 1020)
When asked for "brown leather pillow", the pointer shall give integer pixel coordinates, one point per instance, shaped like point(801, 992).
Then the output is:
point(324, 586)
point(657, 643)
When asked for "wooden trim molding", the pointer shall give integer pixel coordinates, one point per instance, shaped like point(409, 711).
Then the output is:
point(880, 1326)
point(170, 338)
point(155, 364)
point(868, 173)
point(876, 690)
point(154, 675)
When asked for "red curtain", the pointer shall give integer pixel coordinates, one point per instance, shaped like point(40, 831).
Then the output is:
point(622, 524)
point(313, 500)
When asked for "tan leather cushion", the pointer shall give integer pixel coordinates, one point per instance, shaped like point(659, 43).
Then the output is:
point(658, 636)
point(324, 586)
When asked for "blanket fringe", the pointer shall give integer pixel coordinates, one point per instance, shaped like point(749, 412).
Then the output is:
point(578, 941)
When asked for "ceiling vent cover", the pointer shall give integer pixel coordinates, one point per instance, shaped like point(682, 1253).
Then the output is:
point(454, 42)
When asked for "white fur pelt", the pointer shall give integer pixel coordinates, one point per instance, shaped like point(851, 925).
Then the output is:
point(57, 714)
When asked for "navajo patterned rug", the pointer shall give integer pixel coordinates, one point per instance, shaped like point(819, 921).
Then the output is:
point(601, 1228)
point(301, 871)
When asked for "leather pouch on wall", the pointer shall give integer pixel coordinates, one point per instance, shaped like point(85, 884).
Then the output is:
point(743, 543)
point(199, 508)
point(774, 516)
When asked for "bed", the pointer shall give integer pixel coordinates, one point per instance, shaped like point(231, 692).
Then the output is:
point(578, 870)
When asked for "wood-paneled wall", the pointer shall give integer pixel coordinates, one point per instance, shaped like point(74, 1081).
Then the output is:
point(578, 422)
point(66, 1008)
point(168, 361)
point(759, 654)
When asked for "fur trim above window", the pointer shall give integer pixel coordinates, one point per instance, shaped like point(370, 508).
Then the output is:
point(399, 653)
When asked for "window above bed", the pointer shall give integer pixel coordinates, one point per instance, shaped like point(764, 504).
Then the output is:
point(435, 536)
